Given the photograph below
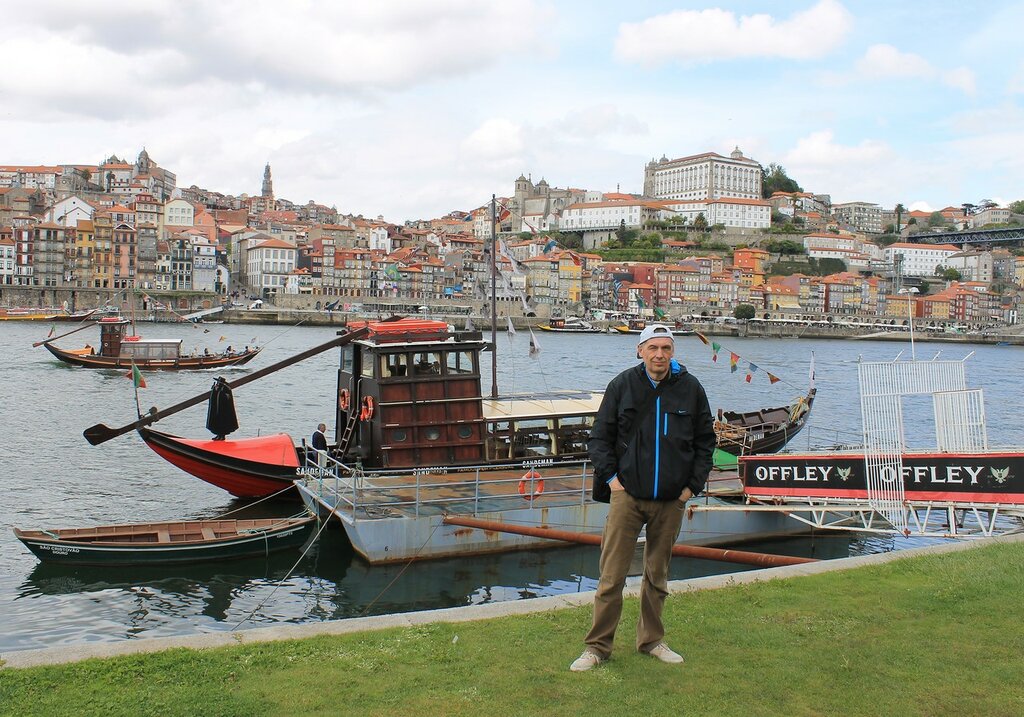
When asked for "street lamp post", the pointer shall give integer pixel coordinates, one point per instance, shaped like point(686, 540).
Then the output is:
point(910, 291)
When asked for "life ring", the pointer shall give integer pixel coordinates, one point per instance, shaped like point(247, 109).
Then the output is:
point(534, 477)
point(344, 400)
point(366, 411)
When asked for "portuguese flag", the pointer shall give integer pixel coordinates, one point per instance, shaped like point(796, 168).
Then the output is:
point(136, 376)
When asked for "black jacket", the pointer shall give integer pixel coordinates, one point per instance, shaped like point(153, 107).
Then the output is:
point(674, 443)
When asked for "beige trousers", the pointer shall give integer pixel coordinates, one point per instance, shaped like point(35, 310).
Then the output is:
point(626, 517)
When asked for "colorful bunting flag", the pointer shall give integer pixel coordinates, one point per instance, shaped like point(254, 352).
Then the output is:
point(136, 376)
point(640, 301)
point(751, 370)
point(223, 338)
point(659, 313)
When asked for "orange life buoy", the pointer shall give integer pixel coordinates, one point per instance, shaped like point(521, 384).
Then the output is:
point(366, 412)
point(344, 400)
point(535, 477)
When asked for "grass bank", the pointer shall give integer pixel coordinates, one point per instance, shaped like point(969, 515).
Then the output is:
point(930, 635)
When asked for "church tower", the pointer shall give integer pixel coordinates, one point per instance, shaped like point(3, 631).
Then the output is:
point(268, 184)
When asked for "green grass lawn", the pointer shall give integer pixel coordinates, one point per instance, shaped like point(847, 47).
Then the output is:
point(932, 635)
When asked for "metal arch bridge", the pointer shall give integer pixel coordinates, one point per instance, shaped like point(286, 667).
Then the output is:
point(976, 236)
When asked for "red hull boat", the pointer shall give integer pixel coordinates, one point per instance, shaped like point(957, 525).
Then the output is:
point(246, 467)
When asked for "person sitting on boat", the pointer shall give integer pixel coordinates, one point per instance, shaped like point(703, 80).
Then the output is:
point(229, 351)
point(206, 352)
point(652, 446)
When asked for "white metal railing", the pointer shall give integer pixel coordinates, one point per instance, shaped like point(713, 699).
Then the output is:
point(359, 491)
point(960, 421)
point(883, 384)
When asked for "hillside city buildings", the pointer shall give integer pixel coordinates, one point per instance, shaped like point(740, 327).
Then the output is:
point(121, 225)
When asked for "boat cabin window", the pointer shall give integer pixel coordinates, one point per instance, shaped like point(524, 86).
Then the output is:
point(426, 363)
point(572, 434)
point(394, 365)
point(459, 362)
point(151, 350)
point(366, 369)
point(529, 438)
point(346, 359)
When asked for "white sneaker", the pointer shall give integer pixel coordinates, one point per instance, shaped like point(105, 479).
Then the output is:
point(586, 661)
point(665, 653)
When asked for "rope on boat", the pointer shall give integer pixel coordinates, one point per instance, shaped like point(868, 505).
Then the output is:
point(249, 505)
point(281, 582)
point(302, 321)
point(402, 571)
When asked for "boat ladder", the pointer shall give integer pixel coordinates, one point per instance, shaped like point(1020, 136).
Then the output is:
point(350, 428)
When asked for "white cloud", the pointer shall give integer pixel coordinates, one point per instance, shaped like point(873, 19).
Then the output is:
point(885, 61)
point(136, 50)
point(820, 150)
point(495, 140)
point(598, 120)
point(962, 79)
point(716, 34)
point(920, 206)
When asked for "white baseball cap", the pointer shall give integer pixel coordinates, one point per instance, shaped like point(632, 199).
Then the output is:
point(656, 331)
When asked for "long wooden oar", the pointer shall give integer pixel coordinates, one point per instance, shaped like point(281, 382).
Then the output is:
point(101, 433)
point(766, 560)
point(46, 341)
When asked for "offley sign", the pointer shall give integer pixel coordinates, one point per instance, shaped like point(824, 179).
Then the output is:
point(974, 477)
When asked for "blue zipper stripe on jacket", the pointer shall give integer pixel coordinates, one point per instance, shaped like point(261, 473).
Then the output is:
point(657, 445)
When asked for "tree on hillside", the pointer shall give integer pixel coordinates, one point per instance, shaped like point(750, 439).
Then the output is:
point(1017, 207)
point(899, 216)
point(774, 179)
point(935, 219)
point(700, 222)
point(744, 311)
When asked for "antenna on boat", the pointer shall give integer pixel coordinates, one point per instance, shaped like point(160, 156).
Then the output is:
point(494, 300)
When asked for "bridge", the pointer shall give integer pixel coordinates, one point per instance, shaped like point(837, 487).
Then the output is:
point(974, 236)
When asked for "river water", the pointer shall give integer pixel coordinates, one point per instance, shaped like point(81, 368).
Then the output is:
point(54, 478)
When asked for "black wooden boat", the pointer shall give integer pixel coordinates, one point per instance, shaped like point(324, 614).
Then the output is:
point(764, 431)
point(409, 396)
point(186, 541)
point(118, 351)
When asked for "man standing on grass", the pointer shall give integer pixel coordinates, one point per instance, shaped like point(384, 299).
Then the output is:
point(652, 446)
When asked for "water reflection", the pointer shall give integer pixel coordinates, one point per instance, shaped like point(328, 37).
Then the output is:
point(329, 583)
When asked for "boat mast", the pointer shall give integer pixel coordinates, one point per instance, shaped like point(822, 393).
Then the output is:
point(494, 302)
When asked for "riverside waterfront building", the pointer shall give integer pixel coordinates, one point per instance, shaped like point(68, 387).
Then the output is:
point(703, 176)
point(920, 259)
point(730, 212)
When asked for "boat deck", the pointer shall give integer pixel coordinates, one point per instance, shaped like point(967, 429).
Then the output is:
point(471, 491)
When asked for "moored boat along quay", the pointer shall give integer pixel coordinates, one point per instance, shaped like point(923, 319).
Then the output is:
point(126, 482)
